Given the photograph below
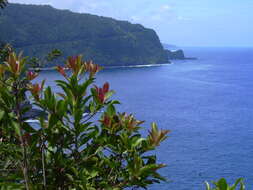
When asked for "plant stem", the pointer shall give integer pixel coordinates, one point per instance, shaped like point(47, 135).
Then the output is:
point(23, 143)
point(25, 165)
point(43, 163)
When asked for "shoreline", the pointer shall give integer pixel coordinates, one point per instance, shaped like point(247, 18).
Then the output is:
point(109, 67)
point(137, 66)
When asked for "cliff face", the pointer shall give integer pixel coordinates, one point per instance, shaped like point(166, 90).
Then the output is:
point(178, 54)
point(38, 29)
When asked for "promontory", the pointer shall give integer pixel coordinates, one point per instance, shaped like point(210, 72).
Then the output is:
point(37, 29)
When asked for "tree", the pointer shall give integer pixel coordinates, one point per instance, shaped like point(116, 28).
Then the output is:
point(5, 50)
point(81, 142)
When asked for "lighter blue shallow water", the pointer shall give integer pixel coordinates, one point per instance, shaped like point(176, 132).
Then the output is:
point(208, 106)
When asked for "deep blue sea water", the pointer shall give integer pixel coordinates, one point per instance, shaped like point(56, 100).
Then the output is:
point(206, 103)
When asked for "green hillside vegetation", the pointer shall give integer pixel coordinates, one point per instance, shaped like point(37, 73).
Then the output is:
point(37, 29)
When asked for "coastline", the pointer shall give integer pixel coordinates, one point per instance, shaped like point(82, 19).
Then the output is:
point(138, 66)
point(108, 67)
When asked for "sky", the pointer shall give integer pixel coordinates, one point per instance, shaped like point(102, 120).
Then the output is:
point(178, 22)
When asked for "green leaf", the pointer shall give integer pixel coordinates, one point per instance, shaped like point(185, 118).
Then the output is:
point(92, 174)
point(138, 142)
point(236, 183)
point(84, 86)
point(109, 94)
point(70, 177)
point(242, 186)
point(53, 119)
point(28, 128)
point(61, 107)
point(1, 114)
point(111, 110)
point(207, 186)
point(222, 184)
point(17, 128)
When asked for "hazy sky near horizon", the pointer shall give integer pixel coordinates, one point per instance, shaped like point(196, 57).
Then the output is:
point(179, 22)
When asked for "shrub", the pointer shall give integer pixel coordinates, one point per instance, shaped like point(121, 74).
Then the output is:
point(82, 142)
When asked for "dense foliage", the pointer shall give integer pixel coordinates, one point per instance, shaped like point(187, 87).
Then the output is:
point(81, 141)
point(223, 185)
point(5, 50)
point(36, 29)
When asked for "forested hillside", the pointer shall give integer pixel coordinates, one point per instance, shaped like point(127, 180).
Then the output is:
point(39, 29)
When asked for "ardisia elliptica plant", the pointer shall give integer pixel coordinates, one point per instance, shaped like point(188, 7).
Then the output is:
point(81, 142)
point(223, 185)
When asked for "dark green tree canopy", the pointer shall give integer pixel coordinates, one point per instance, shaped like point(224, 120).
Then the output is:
point(37, 29)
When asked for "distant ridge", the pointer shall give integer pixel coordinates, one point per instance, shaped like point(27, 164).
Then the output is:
point(37, 29)
point(175, 53)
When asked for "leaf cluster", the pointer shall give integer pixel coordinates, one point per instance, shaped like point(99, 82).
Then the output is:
point(80, 142)
point(222, 184)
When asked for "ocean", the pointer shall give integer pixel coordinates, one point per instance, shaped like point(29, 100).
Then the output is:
point(206, 103)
